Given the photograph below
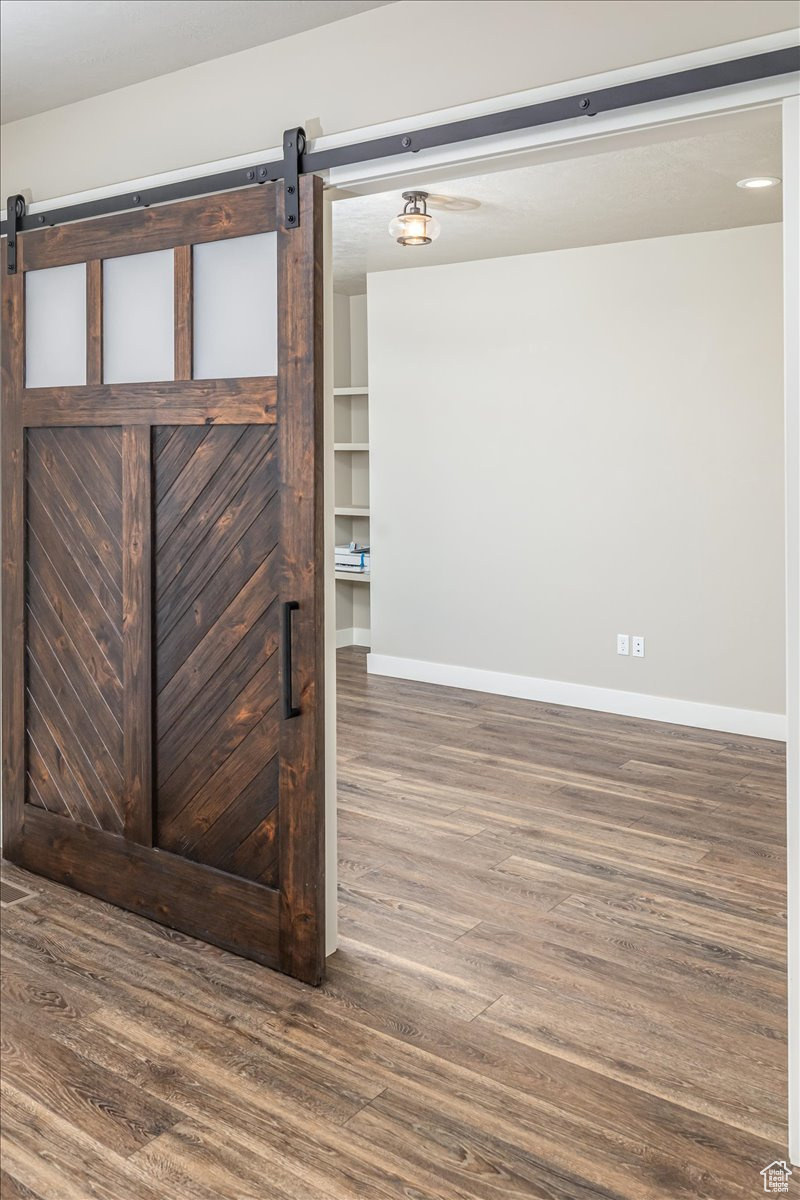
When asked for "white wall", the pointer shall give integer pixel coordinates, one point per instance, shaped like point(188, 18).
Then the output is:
point(359, 364)
point(410, 57)
point(341, 339)
point(574, 444)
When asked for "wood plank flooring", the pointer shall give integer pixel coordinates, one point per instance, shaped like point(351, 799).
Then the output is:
point(561, 976)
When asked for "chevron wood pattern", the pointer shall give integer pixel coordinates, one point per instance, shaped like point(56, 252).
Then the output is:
point(216, 631)
point(147, 530)
point(74, 744)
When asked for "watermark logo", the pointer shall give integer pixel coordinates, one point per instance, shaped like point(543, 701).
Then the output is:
point(776, 1178)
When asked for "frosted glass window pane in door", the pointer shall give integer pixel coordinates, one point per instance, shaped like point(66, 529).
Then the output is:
point(236, 307)
point(55, 327)
point(139, 318)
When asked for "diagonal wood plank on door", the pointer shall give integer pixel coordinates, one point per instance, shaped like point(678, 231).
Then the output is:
point(239, 847)
point(220, 740)
point(213, 598)
point(191, 725)
point(223, 497)
point(75, 505)
point(216, 531)
point(90, 626)
point(74, 623)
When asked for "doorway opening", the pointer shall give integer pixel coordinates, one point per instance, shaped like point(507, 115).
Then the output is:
point(572, 433)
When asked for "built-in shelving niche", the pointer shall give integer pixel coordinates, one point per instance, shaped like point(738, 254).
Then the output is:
point(351, 463)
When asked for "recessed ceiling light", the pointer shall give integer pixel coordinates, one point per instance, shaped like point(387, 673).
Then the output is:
point(759, 181)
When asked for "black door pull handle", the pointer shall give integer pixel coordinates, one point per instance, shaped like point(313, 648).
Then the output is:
point(289, 709)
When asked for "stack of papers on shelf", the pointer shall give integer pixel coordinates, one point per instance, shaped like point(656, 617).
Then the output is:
point(353, 558)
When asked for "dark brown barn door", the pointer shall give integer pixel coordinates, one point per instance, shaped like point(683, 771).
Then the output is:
point(162, 607)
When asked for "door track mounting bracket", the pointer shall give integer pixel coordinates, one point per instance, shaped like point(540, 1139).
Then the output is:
point(15, 211)
point(294, 144)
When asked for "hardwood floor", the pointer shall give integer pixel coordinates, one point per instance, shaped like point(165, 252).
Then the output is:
point(561, 975)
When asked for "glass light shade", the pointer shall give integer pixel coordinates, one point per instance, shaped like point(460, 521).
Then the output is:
point(414, 226)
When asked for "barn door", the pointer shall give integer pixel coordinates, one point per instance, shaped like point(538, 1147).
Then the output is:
point(162, 607)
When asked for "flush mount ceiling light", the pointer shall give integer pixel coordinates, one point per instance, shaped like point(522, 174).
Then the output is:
point(414, 226)
point(758, 181)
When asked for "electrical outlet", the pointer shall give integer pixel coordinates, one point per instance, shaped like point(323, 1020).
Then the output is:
point(623, 643)
point(638, 647)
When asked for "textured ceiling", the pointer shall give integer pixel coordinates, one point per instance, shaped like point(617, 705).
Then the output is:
point(57, 51)
point(680, 179)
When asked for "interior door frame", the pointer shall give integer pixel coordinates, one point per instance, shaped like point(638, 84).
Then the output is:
point(286, 926)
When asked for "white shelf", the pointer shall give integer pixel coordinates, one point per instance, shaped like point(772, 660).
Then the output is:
point(351, 446)
point(351, 391)
point(351, 510)
point(352, 576)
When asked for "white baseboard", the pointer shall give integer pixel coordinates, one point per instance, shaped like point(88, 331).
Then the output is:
point(579, 695)
point(352, 637)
